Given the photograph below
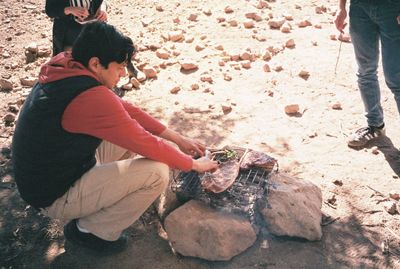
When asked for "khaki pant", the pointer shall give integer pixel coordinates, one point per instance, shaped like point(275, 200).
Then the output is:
point(113, 194)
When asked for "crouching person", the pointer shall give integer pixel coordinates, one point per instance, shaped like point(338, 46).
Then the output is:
point(75, 139)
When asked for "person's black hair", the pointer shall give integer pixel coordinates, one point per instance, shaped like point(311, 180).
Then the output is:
point(104, 41)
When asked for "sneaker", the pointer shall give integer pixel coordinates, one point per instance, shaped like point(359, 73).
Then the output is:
point(133, 71)
point(363, 135)
point(92, 242)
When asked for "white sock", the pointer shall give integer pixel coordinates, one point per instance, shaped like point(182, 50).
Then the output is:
point(83, 230)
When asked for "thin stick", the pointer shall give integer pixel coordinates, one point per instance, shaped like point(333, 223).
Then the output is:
point(377, 192)
point(391, 231)
point(338, 56)
point(329, 221)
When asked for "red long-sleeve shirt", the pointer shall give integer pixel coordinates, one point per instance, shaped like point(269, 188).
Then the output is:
point(100, 113)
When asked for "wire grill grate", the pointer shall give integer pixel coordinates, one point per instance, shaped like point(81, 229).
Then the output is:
point(248, 192)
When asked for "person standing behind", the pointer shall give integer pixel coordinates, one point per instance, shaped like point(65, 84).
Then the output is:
point(371, 21)
point(69, 17)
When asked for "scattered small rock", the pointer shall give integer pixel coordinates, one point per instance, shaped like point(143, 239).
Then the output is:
point(338, 182)
point(394, 194)
point(13, 108)
point(266, 68)
point(150, 72)
point(206, 78)
point(207, 12)
point(375, 150)
point(288, 16)
point(266, 56)
point(246, 64)
point(32, 47)
point(226, 109)
point(219, 47)
point(9, 118)
point(189, 39)
point(228, 10)
point(227, 77)
point(245, 56)
point(162, 54)
point(28, 81)
point(276, 23)
point(305, 22)
point(337, 106)
point(254, 16)
point(175, 36)
point(192, 17)
point(5, 85)
point(290, 43)
point(390, 207)
point(304, 74)
point(221, 19)
point(233, 23)
point(194, 87)
point(199, 47)
point(292, 109)
point(286, 28)
point(175, 90)
point(248, 24)
point(262, 4)
point(332, 200)
point(188, 65)
point(146, 21)
point(320, 9)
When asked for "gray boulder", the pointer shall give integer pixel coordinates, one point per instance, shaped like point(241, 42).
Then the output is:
point(295, 208)
point(197, 230)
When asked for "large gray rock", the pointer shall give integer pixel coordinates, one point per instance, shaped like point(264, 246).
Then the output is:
point(197, 230)
point(295, 207)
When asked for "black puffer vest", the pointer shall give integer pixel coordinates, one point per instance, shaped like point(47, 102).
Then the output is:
point(47, 159)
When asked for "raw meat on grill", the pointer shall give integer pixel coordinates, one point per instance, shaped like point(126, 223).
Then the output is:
point(222, 178)
point(254, 158)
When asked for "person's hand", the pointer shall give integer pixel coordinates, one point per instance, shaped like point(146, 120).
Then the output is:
point(79, 12)
point(340, 20)
point(398, 19)
point(191, 146)
point(204, 164)
point(101, 15)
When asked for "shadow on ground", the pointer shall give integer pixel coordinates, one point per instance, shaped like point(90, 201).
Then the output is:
point(345, 244)
point(29, 240)
point(392, 154)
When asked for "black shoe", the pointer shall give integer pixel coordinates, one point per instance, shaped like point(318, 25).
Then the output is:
point(93, 242)
point(133, 71)
point(364, 135)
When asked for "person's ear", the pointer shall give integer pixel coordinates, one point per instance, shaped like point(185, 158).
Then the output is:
point(94, 64)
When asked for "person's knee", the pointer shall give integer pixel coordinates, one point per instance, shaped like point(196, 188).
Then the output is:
point(161, 171)
point(393, 83)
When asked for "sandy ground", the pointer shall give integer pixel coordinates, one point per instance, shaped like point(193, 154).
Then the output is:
point(310, 144)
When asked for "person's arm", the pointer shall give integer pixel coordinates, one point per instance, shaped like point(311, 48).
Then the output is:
point(55, 8)
point(100, 113)
point(186, 145)
point(341, 16)
point(62, 8)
